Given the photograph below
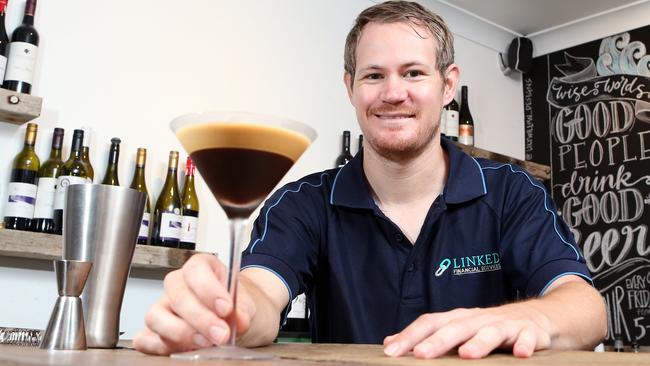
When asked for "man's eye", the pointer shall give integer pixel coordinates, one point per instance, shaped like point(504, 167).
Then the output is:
point(374, 76)
point(413, 73)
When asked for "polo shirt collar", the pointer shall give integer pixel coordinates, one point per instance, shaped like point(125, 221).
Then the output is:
point(350, 187)
point(465, 181)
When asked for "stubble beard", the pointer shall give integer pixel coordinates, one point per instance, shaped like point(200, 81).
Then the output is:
point(404, 150)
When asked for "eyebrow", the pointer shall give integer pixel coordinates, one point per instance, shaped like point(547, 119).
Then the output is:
point(405, 66)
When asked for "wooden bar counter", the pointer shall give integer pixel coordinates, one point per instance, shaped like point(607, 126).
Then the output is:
point(309, 354)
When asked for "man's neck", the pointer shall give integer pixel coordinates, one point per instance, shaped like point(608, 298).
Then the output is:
point(395, 183)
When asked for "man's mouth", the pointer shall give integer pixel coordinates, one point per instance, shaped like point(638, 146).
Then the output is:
point(394, 116)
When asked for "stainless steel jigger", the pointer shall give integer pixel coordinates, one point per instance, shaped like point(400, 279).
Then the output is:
point(66, 330)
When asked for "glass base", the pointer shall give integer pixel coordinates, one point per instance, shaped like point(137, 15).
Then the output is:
point(223, 353)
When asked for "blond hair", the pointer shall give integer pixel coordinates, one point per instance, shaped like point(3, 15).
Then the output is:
point(402, 12)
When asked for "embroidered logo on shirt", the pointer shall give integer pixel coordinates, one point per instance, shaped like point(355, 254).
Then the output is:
point(471, 264)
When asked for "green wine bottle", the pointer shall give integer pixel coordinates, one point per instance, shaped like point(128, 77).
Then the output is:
point(43, 221)
point(19, 210)
point(85, 157)
point(85, 152)
point(167, 214)
point(190, 204)
point(110, 177)
point(73, 171)
point(138, 183)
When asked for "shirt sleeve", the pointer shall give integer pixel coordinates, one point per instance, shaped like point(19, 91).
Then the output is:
point(285, 238)
point(537, 246)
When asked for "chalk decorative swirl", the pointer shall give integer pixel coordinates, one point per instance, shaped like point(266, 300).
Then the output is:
point(617, 55)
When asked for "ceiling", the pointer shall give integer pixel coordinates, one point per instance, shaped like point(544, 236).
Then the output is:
point(531, 17)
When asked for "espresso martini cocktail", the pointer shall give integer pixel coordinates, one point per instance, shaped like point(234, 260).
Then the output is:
point(241, 157)
point(242, 162)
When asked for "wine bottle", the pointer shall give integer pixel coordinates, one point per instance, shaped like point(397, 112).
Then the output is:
point(23, 50)
point(44, 211)
point(297, 326)
point(73, 171)
point(167, 214)
point(110, 177)
point(451, 120)
point(360, 146)
point(345, 155)
point(85, 152)
point(443, 122)
point(190, 203)
point(4, 40)
point(139, 184)
point(465, 120)
point(22, 184)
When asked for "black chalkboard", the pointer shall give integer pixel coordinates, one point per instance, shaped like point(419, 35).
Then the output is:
point(587, 114)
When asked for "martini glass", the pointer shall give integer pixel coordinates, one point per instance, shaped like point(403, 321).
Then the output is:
point(241, 157)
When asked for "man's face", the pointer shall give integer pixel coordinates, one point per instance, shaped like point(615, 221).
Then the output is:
point(398, 92)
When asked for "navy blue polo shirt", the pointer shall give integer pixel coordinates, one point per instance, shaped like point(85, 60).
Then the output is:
point(491, 237)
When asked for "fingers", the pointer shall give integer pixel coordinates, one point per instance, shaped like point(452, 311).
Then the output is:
point(476, 333)
point(445, 339)
point(162, 321)
point(193, 312)
point(526, 343)
point(179, 336)
point(389, 339)
point(420, 329)
point(206, 278)
point(485, 341)
point(185, 304)
point(149, 342)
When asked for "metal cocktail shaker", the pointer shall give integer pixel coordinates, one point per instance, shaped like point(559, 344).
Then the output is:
point(101, 225)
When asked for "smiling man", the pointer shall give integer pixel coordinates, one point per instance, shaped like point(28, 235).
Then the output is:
point(413, 244)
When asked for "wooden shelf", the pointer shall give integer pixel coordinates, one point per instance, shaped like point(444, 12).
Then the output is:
point(539, 171)
point(25, 244)
point(18, 108)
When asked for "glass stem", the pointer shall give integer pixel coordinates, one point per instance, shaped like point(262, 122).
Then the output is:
point(237, 241)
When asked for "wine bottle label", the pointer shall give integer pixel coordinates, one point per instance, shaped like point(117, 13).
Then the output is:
point(22, 197)
point(443, 122)
point(466, 135)
point(190, 225)
point(144, 226)
point(62, 184)
point(22, 62)
point(170, 226)
point(298, 306)
point(3, 67)
point(452, 123)
point(45, 198)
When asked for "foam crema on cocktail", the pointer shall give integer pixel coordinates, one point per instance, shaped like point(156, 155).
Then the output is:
point(241, 157)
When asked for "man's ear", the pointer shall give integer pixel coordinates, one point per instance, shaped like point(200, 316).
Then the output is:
point(452, 74)
point(347, 79)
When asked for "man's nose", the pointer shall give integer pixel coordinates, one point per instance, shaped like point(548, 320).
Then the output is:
point(394, 90)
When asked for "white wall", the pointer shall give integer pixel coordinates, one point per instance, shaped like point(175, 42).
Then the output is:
point(126, 68)
point(591, 29)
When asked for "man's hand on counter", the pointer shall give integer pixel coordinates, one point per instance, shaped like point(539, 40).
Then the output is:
point(476, 333)
point(524, 327)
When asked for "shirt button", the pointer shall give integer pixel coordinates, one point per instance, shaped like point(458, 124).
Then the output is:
point(399, 237)
point(411, 267)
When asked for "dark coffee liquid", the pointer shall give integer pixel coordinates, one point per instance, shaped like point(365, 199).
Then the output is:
point(240, 178)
